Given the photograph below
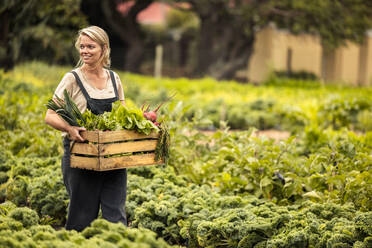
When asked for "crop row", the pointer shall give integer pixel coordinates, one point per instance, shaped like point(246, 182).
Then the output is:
point(278, 104)
point(229, 189)
point(180, 212)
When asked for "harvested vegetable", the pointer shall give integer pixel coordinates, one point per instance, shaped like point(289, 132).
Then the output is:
point(67, 109)
point(152, 114)
point(120, 118)
point(162, 147)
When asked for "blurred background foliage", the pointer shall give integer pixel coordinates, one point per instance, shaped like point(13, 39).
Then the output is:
point(200, 38)
point(41, 30)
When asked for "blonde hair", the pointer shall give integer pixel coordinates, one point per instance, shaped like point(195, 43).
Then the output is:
point(98, 35)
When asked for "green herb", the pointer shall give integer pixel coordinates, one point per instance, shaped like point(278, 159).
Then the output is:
point(162, 147)
point(119, 118)
point(67, 109)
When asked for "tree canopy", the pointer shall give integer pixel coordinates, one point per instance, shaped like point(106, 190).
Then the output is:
point(225, 37)
point(125, 28)
point(41, 29)
point(228, 27)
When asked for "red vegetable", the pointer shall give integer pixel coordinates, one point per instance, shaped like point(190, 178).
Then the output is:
point(146, 115)
point(151, 115)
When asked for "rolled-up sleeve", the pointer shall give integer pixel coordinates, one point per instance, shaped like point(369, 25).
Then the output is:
point(65, 84)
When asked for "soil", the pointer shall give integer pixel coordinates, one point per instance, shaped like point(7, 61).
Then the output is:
point(271, 134)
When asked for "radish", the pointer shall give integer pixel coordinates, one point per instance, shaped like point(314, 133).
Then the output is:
point(152, 115)
point(146, 115)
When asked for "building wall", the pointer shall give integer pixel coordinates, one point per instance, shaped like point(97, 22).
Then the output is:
point(278, 50)
point(342, 64)
point(331, 65)
point(260, 63)
point(306, 53)
point(349, 64)
point(368, 80)
point(365, 62)
point(280, 45)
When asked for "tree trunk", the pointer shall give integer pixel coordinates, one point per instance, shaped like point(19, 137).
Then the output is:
point(6, 61)
point(127, 28)
point(124, 27)
point(134, 56)
point(222, 52)
point(224, 44)
point(183, 48)
point(205, 52)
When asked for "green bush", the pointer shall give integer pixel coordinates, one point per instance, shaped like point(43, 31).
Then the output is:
point(338, 112)
point(26, 216)
point(220, 189)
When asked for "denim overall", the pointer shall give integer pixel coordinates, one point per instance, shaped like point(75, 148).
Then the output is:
point(88, 190)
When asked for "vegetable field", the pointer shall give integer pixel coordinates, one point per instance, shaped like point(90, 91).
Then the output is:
point(227, 189)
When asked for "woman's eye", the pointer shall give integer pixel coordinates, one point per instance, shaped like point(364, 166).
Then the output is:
point(88, 46)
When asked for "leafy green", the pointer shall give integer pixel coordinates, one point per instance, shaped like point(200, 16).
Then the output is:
point(227, 189)
point(163, 145)
point(120, 117)
point(67, 109)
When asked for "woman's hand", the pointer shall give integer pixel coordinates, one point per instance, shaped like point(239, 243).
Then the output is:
point(74, 133)
point(55, 121)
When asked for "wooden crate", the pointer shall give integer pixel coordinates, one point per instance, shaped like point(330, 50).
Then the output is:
point(110, 150)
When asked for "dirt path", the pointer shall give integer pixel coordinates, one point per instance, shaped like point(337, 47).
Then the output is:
point(271, 134)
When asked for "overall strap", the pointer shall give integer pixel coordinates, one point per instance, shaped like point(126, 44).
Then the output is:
point(114, 84)
point(78, 81)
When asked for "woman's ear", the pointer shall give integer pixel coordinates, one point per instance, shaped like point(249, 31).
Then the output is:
point(103, 50)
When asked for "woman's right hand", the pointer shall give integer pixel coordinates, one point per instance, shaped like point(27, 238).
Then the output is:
point(74, 133)
point(55, 121)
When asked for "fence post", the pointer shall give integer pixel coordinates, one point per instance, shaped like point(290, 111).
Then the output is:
point(158, 60)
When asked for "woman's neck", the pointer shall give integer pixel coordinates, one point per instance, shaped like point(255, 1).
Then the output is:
point(93, 70)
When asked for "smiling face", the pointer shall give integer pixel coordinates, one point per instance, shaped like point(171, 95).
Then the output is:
point(90, 51)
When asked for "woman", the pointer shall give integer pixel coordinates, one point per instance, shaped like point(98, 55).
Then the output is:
point(91, 86)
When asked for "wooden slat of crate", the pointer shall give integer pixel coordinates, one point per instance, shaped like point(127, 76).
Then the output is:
point(137, 146)
point(90, 163)
point(99, 149)
point(114, 136)
point(85, 148)
point(128, 161)
point(122, 135)
point(91, 136)
point(103, 164)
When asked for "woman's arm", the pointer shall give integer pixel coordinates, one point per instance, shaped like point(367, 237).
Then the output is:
point(120, 89)
point(53, 120)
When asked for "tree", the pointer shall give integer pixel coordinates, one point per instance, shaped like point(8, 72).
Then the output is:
point(40, 29)
point(120, 26)
point(228, 27)
point(182, 26)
